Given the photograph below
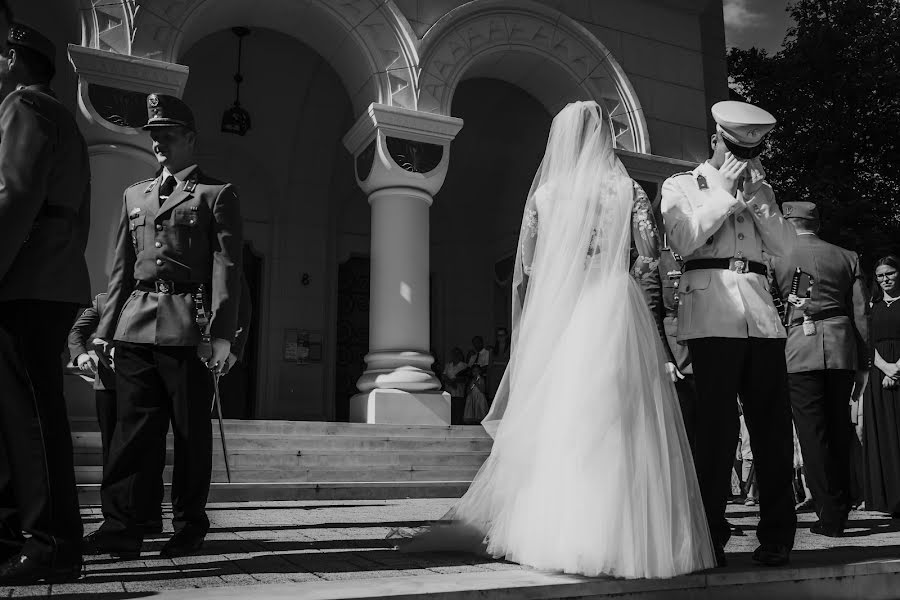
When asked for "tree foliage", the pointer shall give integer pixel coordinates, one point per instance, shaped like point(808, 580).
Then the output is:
point(835, 90)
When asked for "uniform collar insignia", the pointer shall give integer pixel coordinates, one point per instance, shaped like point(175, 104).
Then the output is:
point(135, 211)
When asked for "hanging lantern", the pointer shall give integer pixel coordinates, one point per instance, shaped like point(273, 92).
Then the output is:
point(236, 118)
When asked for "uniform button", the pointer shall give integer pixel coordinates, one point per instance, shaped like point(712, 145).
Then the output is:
point(158, 227)
point(740, 219)
point(740, 236)
point(158, 244)
point(159, 262)
point(192, 221)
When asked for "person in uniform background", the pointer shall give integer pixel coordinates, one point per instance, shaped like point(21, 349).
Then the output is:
point(102, 372)
point(680, 370)
point(44, 222)
point(720, 217)
point(180, 232)
point(827, 344)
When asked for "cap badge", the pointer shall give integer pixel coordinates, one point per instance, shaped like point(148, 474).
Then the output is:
point(153, 100)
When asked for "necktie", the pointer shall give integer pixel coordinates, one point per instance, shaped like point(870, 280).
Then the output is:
point(166, 188)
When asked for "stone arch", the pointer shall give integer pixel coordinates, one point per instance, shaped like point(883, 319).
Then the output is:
point(536, 48)
point(370, 45)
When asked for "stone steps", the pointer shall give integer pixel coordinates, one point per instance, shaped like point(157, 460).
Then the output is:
point(94, 474)
point(309, 460)
point(313, 459)
point(89, 493)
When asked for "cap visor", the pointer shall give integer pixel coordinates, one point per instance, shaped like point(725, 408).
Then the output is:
point(743, 151)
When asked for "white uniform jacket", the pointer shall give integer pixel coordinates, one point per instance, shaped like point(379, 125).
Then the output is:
point(703, 220)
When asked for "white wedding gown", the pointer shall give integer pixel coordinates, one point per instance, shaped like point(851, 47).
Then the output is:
point(590, 471)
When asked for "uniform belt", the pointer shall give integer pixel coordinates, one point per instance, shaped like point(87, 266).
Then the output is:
point(820, 316)
point(740, 265)
point(167, 286)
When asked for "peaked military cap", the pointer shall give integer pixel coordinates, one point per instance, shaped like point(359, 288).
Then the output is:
point(168, 111)
point(28, 37)
point(800, 210)
point(743, 126)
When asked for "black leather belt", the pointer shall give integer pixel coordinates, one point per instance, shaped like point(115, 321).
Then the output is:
point(739, 265)
point(820, 316)
point(167, 286)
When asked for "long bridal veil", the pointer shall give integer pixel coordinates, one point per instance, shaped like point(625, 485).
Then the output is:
point(581, 195)
point(590, 470)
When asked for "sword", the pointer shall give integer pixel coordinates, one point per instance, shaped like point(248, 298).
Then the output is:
point(204, 351)
point(218, 404)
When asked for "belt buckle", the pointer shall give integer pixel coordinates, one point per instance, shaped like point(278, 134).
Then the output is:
point(737, 264)
point(164, 286)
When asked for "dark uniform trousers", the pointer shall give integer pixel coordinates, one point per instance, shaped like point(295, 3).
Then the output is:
point(37, 488)
point(158, 385)
point(44, 227)
point(687, 399)
point(819, 400)
point(754, 369)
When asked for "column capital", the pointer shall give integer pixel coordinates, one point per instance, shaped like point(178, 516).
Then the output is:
point(113, 88)
point(398, 147)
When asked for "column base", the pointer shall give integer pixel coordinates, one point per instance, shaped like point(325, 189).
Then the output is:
point(398, 407)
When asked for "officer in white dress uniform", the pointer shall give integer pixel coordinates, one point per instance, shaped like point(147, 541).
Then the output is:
point(721, 217)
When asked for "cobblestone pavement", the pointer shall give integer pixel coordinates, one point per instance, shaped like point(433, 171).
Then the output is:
point(284, 542)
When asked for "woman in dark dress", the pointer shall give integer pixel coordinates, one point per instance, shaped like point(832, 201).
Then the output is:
point(881, 412)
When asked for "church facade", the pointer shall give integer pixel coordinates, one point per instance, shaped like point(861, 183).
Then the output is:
point(390, 147)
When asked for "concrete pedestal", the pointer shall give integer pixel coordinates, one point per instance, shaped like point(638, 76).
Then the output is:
point(399, 407)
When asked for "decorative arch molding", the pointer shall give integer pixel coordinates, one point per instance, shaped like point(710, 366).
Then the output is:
point(369, 43)
point(536, 48)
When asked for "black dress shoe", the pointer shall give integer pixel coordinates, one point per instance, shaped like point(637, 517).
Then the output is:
point(721, 561)
point(100, 542)
point(183, 543)
point(24, 570)
point(772, 555)
point(821, 528)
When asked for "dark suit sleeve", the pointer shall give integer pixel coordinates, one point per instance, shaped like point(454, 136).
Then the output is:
point(121, 280)
point(860, 304)
point(645, 268)
point(84, 326)
point(26, 143)
point(228, 250)
point(245, 313)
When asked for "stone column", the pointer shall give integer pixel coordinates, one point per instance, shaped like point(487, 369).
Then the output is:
point(401, 161)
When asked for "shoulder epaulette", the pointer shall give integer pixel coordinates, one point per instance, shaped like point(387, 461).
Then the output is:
point(689, 173)
point(137, 183)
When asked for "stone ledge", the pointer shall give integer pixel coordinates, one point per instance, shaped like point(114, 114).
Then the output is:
point(871, 580)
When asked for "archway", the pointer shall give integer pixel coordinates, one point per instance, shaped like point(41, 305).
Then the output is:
point(477, 214)
point(290, 170)
point(536, 48)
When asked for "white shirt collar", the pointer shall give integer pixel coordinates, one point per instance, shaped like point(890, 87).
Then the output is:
point(806, 233)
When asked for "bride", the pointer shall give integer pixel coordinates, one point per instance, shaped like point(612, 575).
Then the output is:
point(590, 470)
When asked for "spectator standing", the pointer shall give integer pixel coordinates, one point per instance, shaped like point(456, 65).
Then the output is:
point(454, 380)
point(476, 401)
point(881, 414)
point(499, 360)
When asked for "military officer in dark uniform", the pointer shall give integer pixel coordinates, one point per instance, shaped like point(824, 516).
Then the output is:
point(44, 220)
point(826, 348)
point(721, 217)
point(180, 233)
point(101, 370)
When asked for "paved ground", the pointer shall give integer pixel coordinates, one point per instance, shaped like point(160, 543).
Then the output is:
point(288, 542)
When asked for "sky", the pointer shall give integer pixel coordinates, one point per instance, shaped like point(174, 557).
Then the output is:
point(760, 23)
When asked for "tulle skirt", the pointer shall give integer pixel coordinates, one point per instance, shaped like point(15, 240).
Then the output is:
point(591, 471)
